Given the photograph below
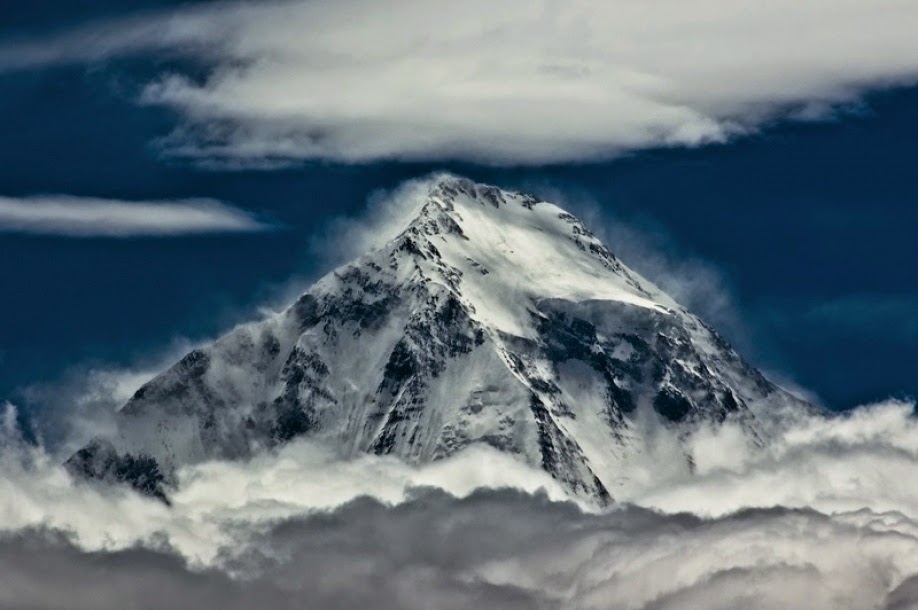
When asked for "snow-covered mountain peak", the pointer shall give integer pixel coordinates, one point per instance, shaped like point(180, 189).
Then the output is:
point(492, 317)
point(509, 249)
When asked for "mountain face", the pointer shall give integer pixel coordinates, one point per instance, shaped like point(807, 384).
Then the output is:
point(493, 317)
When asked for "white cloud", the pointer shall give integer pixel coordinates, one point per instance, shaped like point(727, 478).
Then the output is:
point(821, 518)
point(515, 82)
point(214, 499)
point(92, 217)
point(81, 402)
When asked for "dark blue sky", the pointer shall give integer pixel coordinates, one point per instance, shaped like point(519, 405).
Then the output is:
point(812, 226)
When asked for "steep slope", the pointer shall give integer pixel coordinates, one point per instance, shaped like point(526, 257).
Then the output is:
point(493, 317)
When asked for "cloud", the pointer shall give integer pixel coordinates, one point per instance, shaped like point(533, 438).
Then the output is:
point(518, 83)
point(506, 549)
point(834, 465)
point(493, 548)
point(91, 217)
point(215, 500)
point(80, 404)
point(44, 570)
point(817, 517)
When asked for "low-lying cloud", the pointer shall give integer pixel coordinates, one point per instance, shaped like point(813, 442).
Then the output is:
point(499, 549)
point(821, 516)
point(518, 83)
point(92, 217)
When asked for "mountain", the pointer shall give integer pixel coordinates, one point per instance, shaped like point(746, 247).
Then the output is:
point(493, 317)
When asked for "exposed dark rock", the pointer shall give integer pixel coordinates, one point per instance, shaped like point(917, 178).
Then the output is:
point(306, 310)
point(402, 365)
point(672, 405)
point(291, 421)
point(98, 460)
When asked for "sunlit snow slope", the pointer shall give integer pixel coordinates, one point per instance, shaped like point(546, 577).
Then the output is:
point(493, 318)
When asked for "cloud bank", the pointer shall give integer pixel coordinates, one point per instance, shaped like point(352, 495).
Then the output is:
point(91, 217)
point(516, 83)
point(819, 518)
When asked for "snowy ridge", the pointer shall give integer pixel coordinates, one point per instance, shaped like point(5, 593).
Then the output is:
point(493, 318)
point(523, 250)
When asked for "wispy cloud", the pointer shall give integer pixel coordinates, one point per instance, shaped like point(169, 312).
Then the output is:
point(90, 217)
point(522, 82)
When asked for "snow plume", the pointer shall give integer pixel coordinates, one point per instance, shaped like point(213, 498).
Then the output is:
point(520, 82)
point(701, 285)
point(823, 516)
point(80, 404)
point(648, 247)
point(386, 214)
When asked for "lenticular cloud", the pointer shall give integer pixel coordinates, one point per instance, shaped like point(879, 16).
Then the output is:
point(822, 516)
point(91, 217)
point(516, 82)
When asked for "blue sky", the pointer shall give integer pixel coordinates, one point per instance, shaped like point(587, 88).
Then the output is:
point(806, 230)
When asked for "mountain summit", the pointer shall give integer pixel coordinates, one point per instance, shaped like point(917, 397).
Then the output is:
point(493, 317)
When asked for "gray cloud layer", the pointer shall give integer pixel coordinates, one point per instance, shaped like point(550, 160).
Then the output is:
point(822, 517)
point(516, 82)
point(93, 217)
point(496, 549)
